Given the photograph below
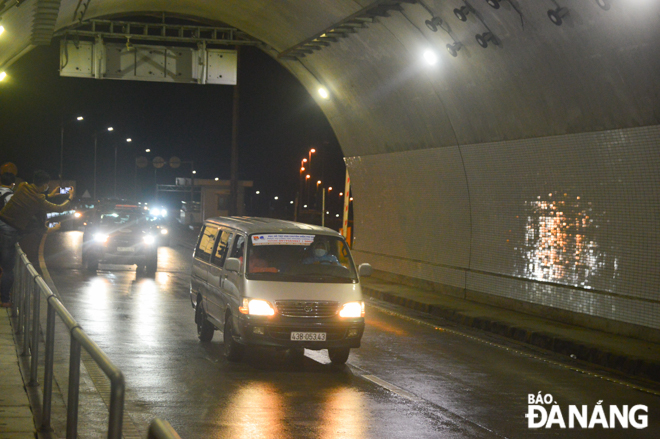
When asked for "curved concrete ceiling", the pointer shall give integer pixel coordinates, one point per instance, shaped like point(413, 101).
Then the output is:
point(597, 71)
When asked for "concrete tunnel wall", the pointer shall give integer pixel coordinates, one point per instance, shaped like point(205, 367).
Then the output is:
point(525, 174)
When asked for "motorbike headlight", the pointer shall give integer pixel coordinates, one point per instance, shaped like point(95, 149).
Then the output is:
point(256, 307)
point(100, 237)
point(352, 309)
point(148, 239)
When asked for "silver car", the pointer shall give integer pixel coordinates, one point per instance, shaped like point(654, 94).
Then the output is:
point(276, 283)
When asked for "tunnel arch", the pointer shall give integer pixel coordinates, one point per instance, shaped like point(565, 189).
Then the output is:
point(524, 174)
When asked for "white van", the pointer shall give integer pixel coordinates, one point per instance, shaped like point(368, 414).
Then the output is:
point(276, 283)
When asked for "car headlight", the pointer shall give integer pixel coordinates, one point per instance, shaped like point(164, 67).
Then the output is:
point(100, 237)
point(163, 231)
point(256, 307)
point(154, 212)
point(163, 212)
point(148, 239)
point(352, 309)
point(77, 215)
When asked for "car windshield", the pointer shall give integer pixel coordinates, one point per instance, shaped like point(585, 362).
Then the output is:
point(299, 258)
point(119, 217)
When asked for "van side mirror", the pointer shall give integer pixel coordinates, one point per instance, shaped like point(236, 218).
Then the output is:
point(233, 264)
point(365, 270)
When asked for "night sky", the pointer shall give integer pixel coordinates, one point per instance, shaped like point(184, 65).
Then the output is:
point(279, 123)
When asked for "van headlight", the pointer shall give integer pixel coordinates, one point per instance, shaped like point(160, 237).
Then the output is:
point(256, 307)
point(352, 309)
point(148, 239)
point(100, 237)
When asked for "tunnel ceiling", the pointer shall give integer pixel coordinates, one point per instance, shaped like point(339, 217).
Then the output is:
point(598, 70)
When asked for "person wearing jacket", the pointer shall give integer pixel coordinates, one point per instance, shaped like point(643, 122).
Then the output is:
point(29, 199)
point(7, 181)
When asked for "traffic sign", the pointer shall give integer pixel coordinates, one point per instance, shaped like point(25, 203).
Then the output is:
point(175, 162)
point(158, 162)
point(141, 162)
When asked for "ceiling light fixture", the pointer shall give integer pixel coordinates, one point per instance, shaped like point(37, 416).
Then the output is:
point(454, 48)
point(485, 38)
point(430, 57)
point(462, 13)
point(434, 23)
point(556, 15)
point(604, 4)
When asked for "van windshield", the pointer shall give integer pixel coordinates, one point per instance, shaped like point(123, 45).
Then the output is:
point(299, 258)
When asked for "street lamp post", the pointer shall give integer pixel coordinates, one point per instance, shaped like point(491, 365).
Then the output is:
point(96, 136)
point(129, 140)
point(79, 118)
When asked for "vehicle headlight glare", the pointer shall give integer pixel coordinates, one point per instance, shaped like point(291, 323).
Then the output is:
point(149, 239)
point(154, 212)
point(163, 212)
point(77, 214)
point(163, 231)
point(258, 307)
point(352, 309)
point(100, 237)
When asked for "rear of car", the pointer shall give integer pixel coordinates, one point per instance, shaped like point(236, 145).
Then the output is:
point(122, 235)
point(281, 284)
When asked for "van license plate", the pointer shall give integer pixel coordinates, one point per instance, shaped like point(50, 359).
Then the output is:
point(308, 336)
point(124, 249)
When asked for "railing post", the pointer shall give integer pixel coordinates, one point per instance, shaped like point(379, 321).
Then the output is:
point(74, 389)
point(49, 358)
point(18, 300)
point(36, 308)
point(25, 311)
point(116, 407)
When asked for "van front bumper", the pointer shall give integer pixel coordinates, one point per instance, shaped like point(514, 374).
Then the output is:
point(276, 332)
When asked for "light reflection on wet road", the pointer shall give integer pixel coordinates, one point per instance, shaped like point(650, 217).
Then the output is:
point(450, 386)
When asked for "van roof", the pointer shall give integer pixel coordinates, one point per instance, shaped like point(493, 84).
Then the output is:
point(252, 225)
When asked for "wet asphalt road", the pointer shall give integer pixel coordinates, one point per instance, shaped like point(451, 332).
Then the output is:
point(409, 378)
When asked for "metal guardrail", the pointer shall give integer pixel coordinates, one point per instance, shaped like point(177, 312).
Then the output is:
point(28, 287)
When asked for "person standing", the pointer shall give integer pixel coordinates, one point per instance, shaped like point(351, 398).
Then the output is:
point(28, 200)
point(7, 181)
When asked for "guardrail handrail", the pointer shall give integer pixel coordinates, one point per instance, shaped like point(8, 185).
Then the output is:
point(28, 286)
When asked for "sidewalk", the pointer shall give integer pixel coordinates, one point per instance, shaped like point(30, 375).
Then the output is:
point(16, 421)
point(631, 356)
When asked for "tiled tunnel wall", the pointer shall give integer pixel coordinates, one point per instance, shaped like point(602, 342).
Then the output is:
point(571, 222)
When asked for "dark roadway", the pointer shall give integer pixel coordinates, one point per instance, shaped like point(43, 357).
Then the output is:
point(409, 379)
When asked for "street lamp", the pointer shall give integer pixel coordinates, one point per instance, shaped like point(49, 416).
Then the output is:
point(79, 118)
point(311, 151)
point(96, 135)
point(129, 140)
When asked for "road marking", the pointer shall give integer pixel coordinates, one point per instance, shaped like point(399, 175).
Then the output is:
point(392, 388)
point(512, 350)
